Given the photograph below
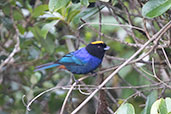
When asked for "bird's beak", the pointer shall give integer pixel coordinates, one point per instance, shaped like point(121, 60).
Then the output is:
point(107, 48)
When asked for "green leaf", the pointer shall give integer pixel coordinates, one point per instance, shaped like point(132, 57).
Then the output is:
point(17, 15)
point(55, 5)
point(159, 107)
point(21, 29)
point(150, 100)
point(104, 0)
point(85, 2)
point(155, 106)
point(72, 15)
point(34, 53)
point(48, 84)
point(168, 104)
point(124, 72)
point(92, 1)
point(72, 11)
point(48, 44)
point(162, 107)
point(126, 108)
point(39, 10)
point(6, 8)
point(154, 8)
point(7, 22)
point(35, 78)
point(47, 27)
point(37, 32)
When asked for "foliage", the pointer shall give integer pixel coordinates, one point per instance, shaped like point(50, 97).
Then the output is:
point(154, 8)
point(161, 106)
point(34, 32)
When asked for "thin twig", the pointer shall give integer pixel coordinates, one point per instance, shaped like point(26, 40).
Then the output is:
point(129, 21)
point(100, 21)
point(69, 92)
point(137, 61)
point(39, 95)
point(145, 29)
point(133, 95)
point(84, 93)
point(136, 90)
point(112, 98)
point(167, 60)
point(111, 24)
point(115, 39)
point(142, 74)
point(92, 87)
point(89, 90)
point(155, 75)
point(16, 47)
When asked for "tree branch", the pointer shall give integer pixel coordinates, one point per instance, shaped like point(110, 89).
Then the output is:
point(156, 36)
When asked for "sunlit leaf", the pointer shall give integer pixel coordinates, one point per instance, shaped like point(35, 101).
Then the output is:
point(55, 5)
point(126, 108)
point(162, 107)
point(47, 27)
point(155, 106)
point(84, 2)
point(154, 8)
point(104, 0)
point(168, 104)
point(159, 107)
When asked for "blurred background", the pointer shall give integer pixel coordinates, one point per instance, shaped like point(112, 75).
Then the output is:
point(34, 32)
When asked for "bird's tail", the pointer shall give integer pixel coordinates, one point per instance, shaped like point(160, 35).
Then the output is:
point(46, 66)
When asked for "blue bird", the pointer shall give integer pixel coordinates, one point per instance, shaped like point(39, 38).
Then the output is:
point(82, 61)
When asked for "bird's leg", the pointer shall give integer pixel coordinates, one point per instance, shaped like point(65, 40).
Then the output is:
point(75, 79)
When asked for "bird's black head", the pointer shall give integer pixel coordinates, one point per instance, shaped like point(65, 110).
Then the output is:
point(97, 48)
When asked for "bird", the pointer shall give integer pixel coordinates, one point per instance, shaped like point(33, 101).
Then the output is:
point(81, 61)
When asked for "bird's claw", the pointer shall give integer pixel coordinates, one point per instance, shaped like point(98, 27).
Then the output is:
point(76, 81)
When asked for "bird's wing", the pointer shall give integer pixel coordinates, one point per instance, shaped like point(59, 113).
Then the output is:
point(70, 59)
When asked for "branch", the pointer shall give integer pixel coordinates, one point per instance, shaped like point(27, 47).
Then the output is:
point(156, 36)
point(115, 39)
point(68, 94)
point(16, 48)
point(111, 24)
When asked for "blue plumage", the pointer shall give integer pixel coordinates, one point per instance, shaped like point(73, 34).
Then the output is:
point(81, 61)
point(46, 66)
